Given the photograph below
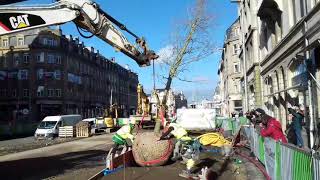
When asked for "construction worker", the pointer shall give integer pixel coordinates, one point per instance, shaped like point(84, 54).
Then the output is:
point(179, 133)
point(123, 137)
point(181, 136)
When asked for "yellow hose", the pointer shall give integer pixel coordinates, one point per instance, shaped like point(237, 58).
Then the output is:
point(213, 139)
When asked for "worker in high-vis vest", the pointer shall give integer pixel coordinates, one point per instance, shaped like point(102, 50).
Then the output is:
point(124, 136)
point(179, 133)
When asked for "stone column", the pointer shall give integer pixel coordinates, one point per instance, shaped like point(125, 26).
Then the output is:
point(275, 97)
point(282, 109)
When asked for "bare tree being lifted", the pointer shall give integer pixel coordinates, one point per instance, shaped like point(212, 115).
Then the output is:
point(189, 43)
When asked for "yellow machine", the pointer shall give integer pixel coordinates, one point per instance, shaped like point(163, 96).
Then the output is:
point(109, 115)
point(143, 102)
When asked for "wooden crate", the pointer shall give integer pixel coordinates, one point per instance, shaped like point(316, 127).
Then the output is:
point(83, 129)
point(67, 131)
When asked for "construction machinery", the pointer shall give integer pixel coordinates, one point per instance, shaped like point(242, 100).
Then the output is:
point(86, 14)
point(143, 116)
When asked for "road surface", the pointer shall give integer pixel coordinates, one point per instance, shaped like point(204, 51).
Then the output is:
point(61, 161)
point(28, 143)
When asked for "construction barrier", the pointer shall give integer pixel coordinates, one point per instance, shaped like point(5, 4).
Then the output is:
point(316, 167)
point(283, 161)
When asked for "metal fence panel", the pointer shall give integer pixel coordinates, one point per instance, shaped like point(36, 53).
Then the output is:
point(270, 159)
point(316, 168)
point(286, 162)
point(261, 150)
point(256, 143)
point(278, 162)
point(301, 166)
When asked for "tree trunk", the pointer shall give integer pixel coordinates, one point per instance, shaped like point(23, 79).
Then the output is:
point(173, 72)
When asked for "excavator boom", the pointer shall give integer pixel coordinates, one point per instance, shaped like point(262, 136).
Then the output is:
point(86, 15)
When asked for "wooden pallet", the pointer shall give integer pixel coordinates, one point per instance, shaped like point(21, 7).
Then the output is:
point(67, 131)
point(83, 129)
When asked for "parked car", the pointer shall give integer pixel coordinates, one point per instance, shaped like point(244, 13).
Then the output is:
point(49, 126)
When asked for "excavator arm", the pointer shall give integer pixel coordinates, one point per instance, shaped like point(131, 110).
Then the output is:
point(86, 15)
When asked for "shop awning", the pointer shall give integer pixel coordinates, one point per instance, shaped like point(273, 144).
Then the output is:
point(299, 86)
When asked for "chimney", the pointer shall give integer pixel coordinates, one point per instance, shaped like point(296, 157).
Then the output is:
point(92, 49)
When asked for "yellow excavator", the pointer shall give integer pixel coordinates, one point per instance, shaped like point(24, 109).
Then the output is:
point(143, 109)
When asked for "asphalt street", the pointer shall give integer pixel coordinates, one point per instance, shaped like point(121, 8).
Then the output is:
point(62, 161)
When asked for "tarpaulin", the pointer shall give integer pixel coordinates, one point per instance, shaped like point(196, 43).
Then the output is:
point(196, 119)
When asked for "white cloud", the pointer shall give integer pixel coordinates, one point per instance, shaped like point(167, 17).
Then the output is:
point(166, 54)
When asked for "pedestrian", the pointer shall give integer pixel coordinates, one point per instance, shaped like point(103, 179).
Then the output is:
point(291, 135)
point(297, 120)
point(270, 127)
point(241, 113)
point(260, 112)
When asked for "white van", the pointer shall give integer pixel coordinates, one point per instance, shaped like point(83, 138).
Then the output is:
point(49, 126)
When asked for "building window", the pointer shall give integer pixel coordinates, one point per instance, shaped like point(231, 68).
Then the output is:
point(16, 59)
point(235, 49)
point(25, 92)
point(14, 93)
point(57, 74)
point(40, 57)
point(40, 91)
point(50, 42)
point(5, 42)
point(50, 92)
point(236, 68)
point(26, 58)
point(237, 103)
point(40, 74)
point(45, 41)
point(58, 92)
point(23, 74)
point(51, 59)
point(20, 41)
point(58, 59)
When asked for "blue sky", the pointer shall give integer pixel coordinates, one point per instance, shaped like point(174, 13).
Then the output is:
point(154, 20)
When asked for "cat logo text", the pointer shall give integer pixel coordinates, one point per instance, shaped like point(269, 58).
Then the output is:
point(19, 22)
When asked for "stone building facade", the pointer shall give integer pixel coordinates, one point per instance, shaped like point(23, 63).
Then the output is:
point(290, 56)
point(43, 72)
point(230, 72)
point(284, 58)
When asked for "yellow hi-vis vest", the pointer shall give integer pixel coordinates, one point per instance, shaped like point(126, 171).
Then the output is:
point(125, 132)
point(178, 132)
